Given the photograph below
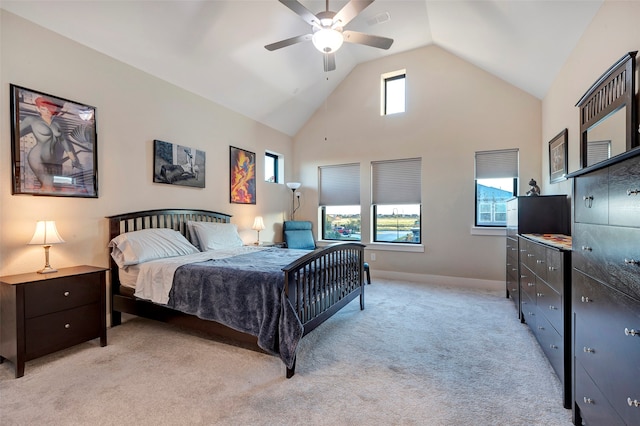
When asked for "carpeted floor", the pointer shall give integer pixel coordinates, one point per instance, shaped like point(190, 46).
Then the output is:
point(417, 355)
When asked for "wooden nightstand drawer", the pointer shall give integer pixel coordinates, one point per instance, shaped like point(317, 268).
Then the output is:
point(50, 333)
point(61, 294)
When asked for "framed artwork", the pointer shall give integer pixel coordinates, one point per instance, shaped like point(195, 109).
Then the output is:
point(242, 180)
point(178, 165)
point(558, 161)
point(54, 145)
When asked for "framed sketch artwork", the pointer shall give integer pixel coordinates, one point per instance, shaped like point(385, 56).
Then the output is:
point(178, 165)
point(558, 163)
point(242, 180)
point(53, 149)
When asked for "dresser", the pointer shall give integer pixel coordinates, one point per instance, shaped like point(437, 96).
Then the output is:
point(545, 283)
point(541, 214)
point(44, 313)
point(606, 292)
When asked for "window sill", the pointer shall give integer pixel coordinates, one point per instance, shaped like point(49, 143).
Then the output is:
point(415, 248)
point(490, 231)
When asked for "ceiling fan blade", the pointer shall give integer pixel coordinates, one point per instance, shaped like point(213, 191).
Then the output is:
point(329, 62)
point(302, 11)
point(350, 11)
point(367, 39)
point(288, 42)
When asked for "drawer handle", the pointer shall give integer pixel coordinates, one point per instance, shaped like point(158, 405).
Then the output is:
point(532, 314)
point(552, 268)
point(540, 294)
point(586, 299)
point(588, 350)
point(633, 192)
point(552, 308)
point(586, 248)
point(631, 261)
point(66, 294)
point(552, 346)
point(530, 255)
point(631, 332)
point(67, 325)
point(588, 400)
point(633, 403)
point(514, 249)
point(539, 262)
point(514, 290)
point(531, 284)
point(588, 201)
point(540, 327)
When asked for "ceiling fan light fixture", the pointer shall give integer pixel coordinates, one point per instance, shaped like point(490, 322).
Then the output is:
point(327, 40)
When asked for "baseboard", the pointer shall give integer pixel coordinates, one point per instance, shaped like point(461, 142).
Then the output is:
point(439, 280)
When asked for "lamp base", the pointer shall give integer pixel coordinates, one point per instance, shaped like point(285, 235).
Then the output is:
point(47, 270)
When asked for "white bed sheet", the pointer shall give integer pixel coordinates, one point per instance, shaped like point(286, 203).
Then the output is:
point(155, 278)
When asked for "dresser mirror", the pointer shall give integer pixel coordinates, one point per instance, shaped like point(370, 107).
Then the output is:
point(608, 114)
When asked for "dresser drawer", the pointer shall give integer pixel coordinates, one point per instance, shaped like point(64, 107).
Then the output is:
point(52, 332)
point(594, 407)
point(528, 309)
point(551, 343)
point(60, 294)
point(534, 255)
point(528, 283)
point(549, 304)
point(610, 254)
point(556, 268)
point(591, 197)
point(605, 321)
point(624, 194)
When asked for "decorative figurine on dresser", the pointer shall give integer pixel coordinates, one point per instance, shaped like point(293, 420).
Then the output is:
point(606, 255)
point(538, 275)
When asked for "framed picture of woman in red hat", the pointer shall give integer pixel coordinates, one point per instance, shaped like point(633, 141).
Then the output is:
point(54, 149)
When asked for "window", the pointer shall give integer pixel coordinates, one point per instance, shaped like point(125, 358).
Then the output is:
point(340, 202)
point(496, 182)
point(396, 197)
point(271, 169)
point(393, 92)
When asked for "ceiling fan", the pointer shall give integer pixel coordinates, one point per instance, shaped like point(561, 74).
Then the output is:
point(328, 30)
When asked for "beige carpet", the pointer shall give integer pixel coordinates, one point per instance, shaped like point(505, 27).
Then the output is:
point(416, 355)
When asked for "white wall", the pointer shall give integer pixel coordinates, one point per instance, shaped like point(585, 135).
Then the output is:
point(614, 31)
point(453, 110)
point(133, 109)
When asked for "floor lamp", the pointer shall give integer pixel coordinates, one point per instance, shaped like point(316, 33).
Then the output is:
point(293, 186)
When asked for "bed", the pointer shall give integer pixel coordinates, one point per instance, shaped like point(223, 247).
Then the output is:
point(306, 290)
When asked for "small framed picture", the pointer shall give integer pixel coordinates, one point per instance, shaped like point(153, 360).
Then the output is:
point(178, 165)
point(242, 180)
point(54, 145)
point(558, 163)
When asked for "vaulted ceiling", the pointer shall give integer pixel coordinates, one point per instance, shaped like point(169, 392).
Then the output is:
point(216, 48)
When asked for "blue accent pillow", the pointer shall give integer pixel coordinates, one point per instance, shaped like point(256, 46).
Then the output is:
point(298, 235)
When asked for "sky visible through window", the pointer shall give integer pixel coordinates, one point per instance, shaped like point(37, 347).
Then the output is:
point(395, 95)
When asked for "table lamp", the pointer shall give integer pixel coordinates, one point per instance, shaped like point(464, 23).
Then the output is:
point(45, 235)
point(258, 225)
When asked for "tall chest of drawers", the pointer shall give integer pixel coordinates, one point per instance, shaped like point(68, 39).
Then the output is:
point(541, 214)
point(606, 292)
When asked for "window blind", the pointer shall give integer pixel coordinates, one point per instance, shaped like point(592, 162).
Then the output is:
point(497, 164)
point(598, 151)
point(396, 181)
point(339, 185)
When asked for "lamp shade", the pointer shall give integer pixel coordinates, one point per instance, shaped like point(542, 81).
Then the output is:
point(327, 40)
point(258, 224)
point(293, 185)
point(46, 233)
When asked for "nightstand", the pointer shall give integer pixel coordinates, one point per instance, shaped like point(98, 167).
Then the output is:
point(44, 313)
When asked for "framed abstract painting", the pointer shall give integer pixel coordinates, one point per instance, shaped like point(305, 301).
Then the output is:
point(242, 180)
point(53, 149)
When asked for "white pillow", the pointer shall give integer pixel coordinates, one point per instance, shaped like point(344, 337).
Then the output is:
point(136, 247)
point(214, 235)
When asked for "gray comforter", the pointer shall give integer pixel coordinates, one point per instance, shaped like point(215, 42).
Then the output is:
point(246, 293)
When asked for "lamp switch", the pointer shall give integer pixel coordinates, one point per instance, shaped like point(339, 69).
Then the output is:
point(373, 257)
